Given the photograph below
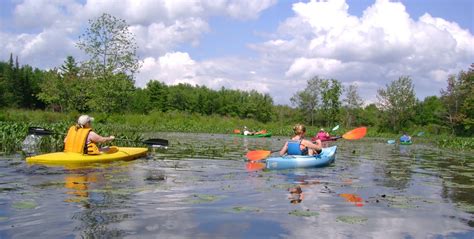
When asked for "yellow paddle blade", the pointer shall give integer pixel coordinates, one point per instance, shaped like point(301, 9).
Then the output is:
point(357, 133)
point(257, 154)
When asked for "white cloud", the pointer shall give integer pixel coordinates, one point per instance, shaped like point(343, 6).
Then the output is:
point(321, 38)
point(178, 67)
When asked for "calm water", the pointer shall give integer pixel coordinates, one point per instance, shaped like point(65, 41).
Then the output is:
point(200, 188)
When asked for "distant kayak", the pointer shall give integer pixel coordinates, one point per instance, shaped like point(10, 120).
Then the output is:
point(327, 156)
point(406, 142)
point(254, 135)
point(63, 158)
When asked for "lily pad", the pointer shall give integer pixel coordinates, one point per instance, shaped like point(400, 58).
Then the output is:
point(303, 213)
point(352, 219)
point(25, 205)
point(204, 198)
point(246, 209)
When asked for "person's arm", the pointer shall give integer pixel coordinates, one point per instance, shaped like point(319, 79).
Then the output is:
point(284, 149)
point(94, 137)
point(317, 146)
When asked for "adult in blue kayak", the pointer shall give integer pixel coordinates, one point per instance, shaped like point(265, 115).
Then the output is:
point(298, 145)
point(405, 138)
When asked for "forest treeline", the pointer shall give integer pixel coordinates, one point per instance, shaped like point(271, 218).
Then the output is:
point(105, 83)
point(323, 102)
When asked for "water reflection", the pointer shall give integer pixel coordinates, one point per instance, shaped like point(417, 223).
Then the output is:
point(296, 194)
point(200, 187)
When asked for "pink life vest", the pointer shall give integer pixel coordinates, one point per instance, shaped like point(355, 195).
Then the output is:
point(323, 136)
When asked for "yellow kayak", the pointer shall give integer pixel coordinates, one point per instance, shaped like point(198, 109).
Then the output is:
point(63, 158)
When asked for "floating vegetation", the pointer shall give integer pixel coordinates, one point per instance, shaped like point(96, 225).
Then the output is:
point(303, 213)
point(458, 185)
point(23, 205)
point(53, 184)
point(465, 207)
point(402, 202)
point(239, 209)
point(283, 186)
point(352, 219)
point(204, 198)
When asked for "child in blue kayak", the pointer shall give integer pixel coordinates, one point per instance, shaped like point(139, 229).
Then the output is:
point(298, 145)
point(405, 138)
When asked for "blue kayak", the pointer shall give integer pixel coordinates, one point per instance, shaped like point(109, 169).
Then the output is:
point(326, 157)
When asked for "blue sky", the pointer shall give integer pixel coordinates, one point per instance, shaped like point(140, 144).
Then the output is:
point(271, 46)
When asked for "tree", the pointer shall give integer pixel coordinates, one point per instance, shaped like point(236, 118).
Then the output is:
point(111, 95)
point(459, 101)
point(307, 100)
point(353, 103)
point(64, 90)
point(111, 47)
point(397, 101)
point(331, 90)
point(430, 111)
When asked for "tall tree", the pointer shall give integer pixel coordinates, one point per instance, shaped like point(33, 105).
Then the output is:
point(331, 90)
point(353, 104)
point(110, 46)
point(459, 101)
point(397, 101)
point(63, 90)
point(307, 100)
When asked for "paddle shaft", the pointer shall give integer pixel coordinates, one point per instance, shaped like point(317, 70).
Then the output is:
point(42, 131)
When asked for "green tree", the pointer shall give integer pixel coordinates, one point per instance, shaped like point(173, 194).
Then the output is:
point(307, 100)
point(397, 102)
point(111, 95)
point(459, 102)
point(331, 91)
point(110, 46)
point(64, 90)
point(353, 104)
point(429, 111)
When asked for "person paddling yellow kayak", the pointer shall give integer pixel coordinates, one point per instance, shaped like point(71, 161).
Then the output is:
point(81, 139)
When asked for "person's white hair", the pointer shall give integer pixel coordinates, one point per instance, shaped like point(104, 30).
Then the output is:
point(84, 119)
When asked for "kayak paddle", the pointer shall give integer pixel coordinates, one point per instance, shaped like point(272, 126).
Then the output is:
point(254, 166)
point(357, 133)
point(256, 155)
point(150, 142)
point(354, 134)
point(335, 128)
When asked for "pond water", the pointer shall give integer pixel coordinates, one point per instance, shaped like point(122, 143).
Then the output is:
point(200, 188)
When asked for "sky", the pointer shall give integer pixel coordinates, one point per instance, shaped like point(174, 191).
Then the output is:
point(272, 46)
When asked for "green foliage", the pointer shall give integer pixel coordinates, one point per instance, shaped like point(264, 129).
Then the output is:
point(459, 101)
point(331, 90)
point(319, 101)
point(308, 99)
point(202, 100)
point(19, 85)
point(429, 111)
point(397, 102)
point(352, 106)
point(111, 95)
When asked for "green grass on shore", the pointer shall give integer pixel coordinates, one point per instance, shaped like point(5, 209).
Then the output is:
point(14, 126)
